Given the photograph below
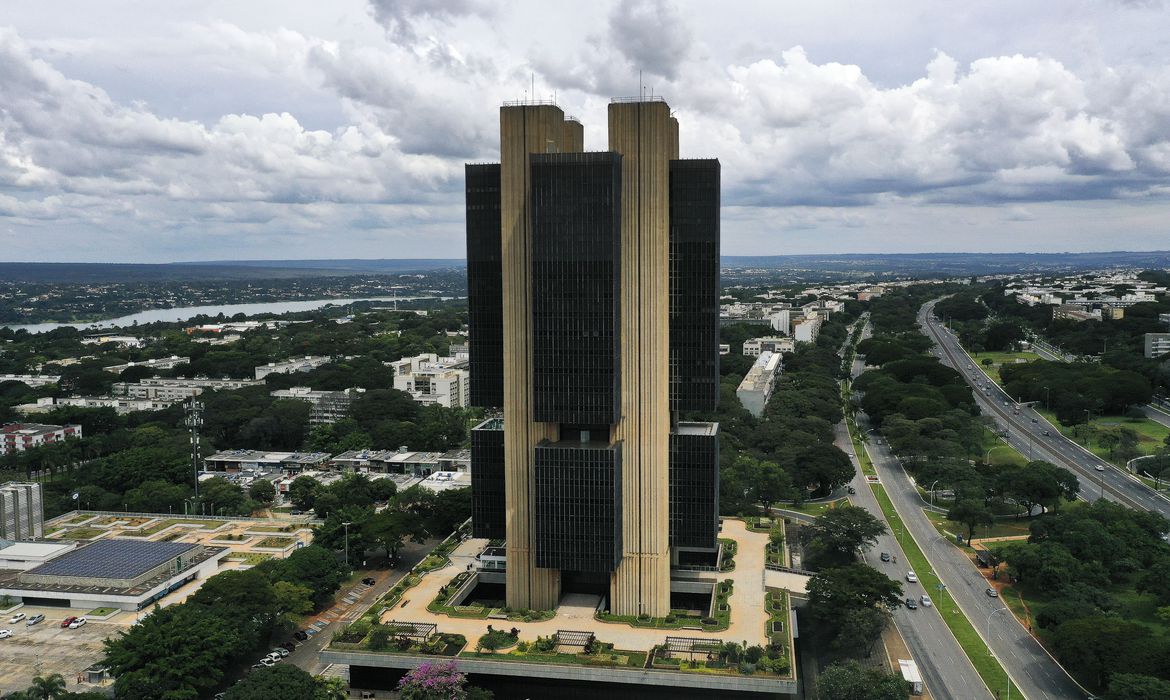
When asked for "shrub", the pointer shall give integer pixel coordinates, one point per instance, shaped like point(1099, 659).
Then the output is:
point(379, 638)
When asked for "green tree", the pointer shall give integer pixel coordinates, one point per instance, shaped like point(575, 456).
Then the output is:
point(49, 687)
point(971, 513)
point(262, 491)
point(852, 681)
point(391, 528)
point(839, 534)
point(303, 492)
point(292, 599)
point(1098, 646)
point(283, 681)
point(1129, 686)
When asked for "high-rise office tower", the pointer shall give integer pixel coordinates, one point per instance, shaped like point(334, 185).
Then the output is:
point(593, 280)
point(22, 515)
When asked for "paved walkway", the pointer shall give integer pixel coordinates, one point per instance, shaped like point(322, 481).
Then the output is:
point(748, 620)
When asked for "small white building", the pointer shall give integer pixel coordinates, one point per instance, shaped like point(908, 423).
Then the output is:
point(157, 364)
point(300, 364)
point(31, 380)
point(326, 406)
point(430, 379)
point(807, 329)
point(753, 347)
point(177, 389)
point(18, 437)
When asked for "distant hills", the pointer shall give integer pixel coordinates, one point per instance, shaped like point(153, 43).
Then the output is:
point(908, 264)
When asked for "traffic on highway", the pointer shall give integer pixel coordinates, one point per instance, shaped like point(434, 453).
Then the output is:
point(1033, 436)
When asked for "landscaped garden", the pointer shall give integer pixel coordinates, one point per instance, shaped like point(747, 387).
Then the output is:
point(549, 650)
point(727, 559)
point(683, 619)
point(480, 609)
point(275, 542)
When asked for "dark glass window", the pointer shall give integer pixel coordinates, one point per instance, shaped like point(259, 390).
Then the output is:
point(576, 238)
point(485, 291)
point(487, 479)
point(578, 506)
point(694, 285)
point(694, 485)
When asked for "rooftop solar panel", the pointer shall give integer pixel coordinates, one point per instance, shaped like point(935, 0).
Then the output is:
point(116, 558)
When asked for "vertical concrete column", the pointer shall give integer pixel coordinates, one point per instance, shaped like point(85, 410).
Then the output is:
point(646, 136)
point(524, 129)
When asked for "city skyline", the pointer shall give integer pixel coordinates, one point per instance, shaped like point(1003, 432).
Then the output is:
point(153, 134)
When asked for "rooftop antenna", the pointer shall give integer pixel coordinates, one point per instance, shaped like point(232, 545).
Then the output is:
point(532, 75)
point(641, 87)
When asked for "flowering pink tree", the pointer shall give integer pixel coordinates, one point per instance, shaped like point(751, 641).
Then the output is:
point(433, 681)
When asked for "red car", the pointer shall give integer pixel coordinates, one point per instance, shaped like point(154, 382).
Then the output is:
point(68, 621)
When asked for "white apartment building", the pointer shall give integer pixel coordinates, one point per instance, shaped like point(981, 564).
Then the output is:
point(160, 363)
point(1157, 344)
point(18, 437)
point(308, 362)
point(123, 341)
point(31, 380)
point(756, 388)
point(120, 404)
point(806, 330)
point(327, 406)
point(753, 347)
point(782, 321)
point(430, 379)
point(160, 389)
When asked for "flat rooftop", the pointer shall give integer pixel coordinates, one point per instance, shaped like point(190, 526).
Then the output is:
point(33, 550)
point(113, 559)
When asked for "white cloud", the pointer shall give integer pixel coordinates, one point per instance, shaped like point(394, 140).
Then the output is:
point(340, 131)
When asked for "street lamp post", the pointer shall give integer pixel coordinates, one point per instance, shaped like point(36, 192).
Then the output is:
point(932, 493)
point(992, 614)
point(347, 524)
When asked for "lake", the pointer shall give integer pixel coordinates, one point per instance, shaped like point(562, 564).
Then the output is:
point(185, 313)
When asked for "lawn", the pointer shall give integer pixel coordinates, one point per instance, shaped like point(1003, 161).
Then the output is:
point(979, 654)
point(813, 509)
point(1150, 433)
point(276, 542)
point(81, 533)
point(1001, 528)
point(101, 612)
point(250, 558)
point(998, 359)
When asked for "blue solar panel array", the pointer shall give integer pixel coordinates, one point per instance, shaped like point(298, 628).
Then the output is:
point(121, 559)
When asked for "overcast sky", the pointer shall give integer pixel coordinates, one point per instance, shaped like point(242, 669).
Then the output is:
point(146, 131)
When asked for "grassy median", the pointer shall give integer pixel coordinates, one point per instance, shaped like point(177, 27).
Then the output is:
point(985, 664)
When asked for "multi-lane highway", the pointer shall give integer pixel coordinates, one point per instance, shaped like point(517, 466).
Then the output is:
point(1031, 434)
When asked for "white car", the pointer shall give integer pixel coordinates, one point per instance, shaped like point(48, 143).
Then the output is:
point(5, 634)
point(267, 661)
point(912, 577)
point(926, 601)
point(1098, 467)
point(16, 618)
point(79, 622)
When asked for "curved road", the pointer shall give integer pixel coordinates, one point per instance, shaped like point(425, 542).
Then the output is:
point(1026, 430)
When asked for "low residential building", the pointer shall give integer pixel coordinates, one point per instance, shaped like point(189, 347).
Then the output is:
point(363, 460)
point(122, 341)
point(177, 389)
point(300, 364)
point(807, 329)
point(326, 406)
point(31, 380)
point(18, 437)
point(724, 349)
point(1074, 313)
point(1157, 344)
point(119, 404)
point(756, 388)
point(753, 347)
point(235, 461)
point(160, 363)
point(430, 379)
point(22, 513)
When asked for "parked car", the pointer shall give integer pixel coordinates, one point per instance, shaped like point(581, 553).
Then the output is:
point(268, 661)
point(1035, 420)
point(300, 635)
point(5, 634)
point(79, 622)
point(926, 601)
point(992, 593)
point(369, 580)
point(16, 618)
point(885, 556)
point(911, 604)
point(289, 645)
point(912, 577)
point(68, 621)
point(281, 652)
point(35, 619)
point(1046, 433)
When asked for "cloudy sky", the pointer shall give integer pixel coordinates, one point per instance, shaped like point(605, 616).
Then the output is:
point(145, 131)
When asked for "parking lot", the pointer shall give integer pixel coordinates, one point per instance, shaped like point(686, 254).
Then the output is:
point(46, 648)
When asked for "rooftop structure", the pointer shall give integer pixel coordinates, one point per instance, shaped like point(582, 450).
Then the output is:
point(752, 347)
point(22, 513)
point(238, 460)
